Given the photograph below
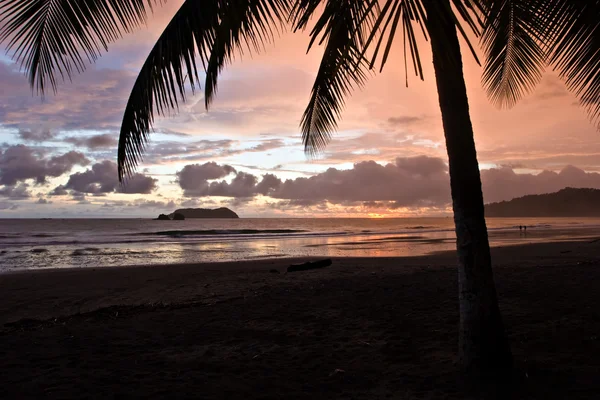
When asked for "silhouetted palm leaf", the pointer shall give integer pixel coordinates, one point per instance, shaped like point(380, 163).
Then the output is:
point(513, 41)
point(411, 13)
point(343, 26)
point(50, 36)
point(215, 30)
point(348, 29)
point(573, 30)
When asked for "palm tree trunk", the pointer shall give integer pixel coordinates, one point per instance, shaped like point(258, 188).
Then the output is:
point(483, 346)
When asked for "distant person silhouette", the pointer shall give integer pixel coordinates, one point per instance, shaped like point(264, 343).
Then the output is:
point(520, 227)
point(525, 228)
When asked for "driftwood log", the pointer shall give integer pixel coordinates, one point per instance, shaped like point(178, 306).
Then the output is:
point(309, 265)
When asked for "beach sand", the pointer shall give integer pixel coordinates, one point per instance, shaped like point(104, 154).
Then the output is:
point(377, 328)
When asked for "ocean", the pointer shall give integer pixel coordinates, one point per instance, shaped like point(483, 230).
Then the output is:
point(93, 243)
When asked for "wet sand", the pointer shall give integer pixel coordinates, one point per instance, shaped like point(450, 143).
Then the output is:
point(362, 328)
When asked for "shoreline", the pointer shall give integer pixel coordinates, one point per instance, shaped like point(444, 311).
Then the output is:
point(99, 244)
point(544, 241)
point(50, 292)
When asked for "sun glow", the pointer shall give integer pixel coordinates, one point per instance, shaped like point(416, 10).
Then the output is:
point(375, 215)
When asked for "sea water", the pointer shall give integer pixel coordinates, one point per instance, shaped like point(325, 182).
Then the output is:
point(60, 243)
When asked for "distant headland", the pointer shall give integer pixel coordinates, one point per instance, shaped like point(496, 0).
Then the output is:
point(185, 213)
point(568, 202)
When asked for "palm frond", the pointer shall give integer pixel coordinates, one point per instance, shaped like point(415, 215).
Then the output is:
point(52, 38)
point(411, 14)
point(513, 41)
point(574, 48)
point(207, 31)
point(343, 27)
point(243, 23)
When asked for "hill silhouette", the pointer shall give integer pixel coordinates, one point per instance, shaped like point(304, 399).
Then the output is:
point(567, 202)
point(222, 212)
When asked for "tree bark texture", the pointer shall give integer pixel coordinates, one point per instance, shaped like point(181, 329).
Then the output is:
point(483, 345)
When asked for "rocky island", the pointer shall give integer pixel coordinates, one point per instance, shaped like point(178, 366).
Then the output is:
point(222, 212)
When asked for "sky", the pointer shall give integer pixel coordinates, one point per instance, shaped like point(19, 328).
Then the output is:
point(387, 158)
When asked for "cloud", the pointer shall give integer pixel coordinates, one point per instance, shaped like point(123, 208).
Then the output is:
point(139, 183)
point(373, 146)
point(20, 192)
point(93, 100)
point(201, 150)
point(409, 182)
point(268, 184)
point(405, 120)
point(193, 178)
point(5, 205)
point(35, 135)
point(19, 163)
point(105, 140)
point(102, 178)
point(60, 190)
point(504, 184)
point(154, 204)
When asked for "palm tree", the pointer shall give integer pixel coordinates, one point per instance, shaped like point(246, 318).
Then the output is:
point(519, 38)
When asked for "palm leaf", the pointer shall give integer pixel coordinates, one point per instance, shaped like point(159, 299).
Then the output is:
point(208, 31)
point(343, 27)
point(573, 33)
point(513, 41)
point(349, 28)
point(55, 37)
point(243, 23)
point(408, 14)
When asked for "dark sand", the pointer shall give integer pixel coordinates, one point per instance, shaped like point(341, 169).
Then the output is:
point(362, 328)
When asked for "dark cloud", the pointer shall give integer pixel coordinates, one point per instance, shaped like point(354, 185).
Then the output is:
point(404, 120)
point(243, 185)
point(139, 183)
point(60, 190)
point(19, 192)
point(409, 182)
point(19, 163)
point(268, 184)
point(36, 136)
point(102, 178)
point(549, 88)
point(194, 180)
point(106, 140)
